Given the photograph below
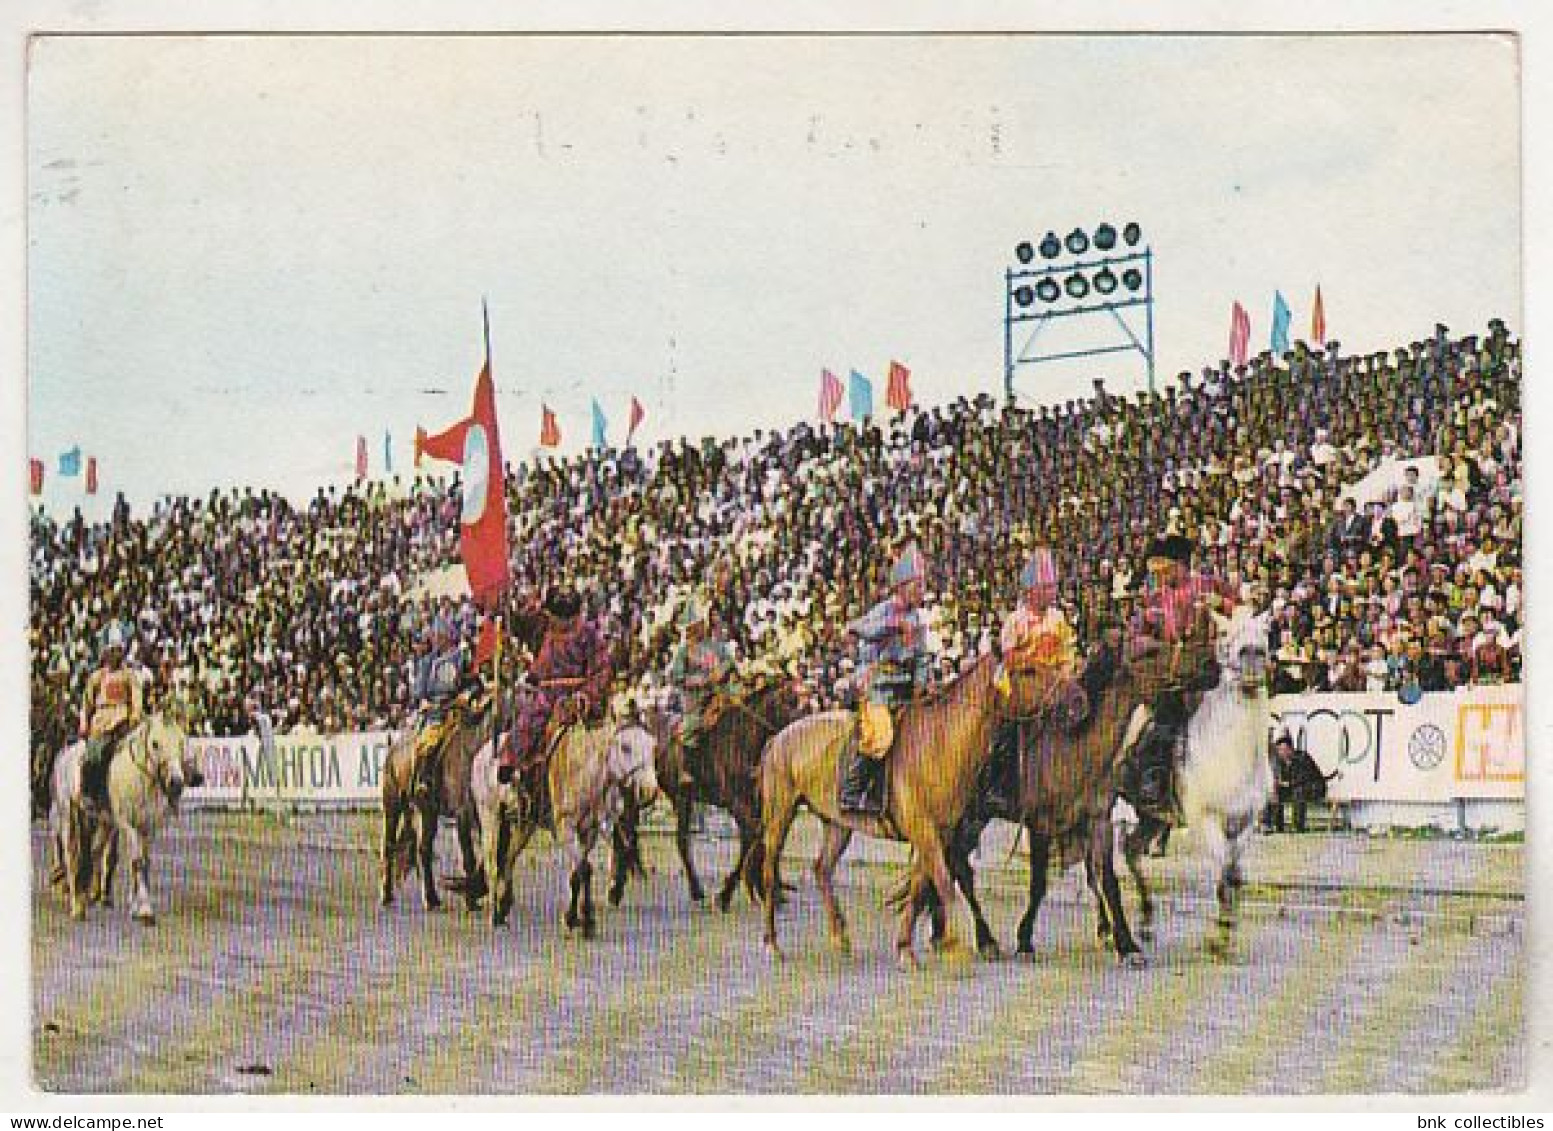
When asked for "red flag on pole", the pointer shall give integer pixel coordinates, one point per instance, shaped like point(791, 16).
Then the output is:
point(475, 443)
point(638, 414)
point(1318, 321)
point(549, 430)
point(485, 643)
point(899, 395)
point(420, 444)
point(361, 458)
point(35, 467)
point(831, 394)
point(1239, 334)
point(91, 475)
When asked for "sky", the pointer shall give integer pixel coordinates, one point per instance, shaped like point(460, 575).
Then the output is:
point(244, 252)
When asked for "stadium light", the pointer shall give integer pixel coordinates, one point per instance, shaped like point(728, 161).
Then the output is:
point(1099, 276)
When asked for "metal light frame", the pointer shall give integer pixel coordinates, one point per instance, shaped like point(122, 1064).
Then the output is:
point(1040, 315)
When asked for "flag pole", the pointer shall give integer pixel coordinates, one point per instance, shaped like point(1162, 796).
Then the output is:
point(485, 313)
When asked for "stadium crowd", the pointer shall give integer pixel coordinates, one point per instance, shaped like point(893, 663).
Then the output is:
point(1372, 503)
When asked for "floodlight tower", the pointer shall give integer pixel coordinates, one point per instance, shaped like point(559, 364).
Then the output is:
point(1083, 279)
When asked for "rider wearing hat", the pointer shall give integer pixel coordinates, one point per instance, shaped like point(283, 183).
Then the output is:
point(702, 663)
point(893, 656)
point(113, 703)
point(572, 668)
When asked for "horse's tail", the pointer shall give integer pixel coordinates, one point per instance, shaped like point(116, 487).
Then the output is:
point(901, 892)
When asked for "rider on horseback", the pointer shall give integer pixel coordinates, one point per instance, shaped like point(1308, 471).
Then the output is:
point(1036, 637)
point(893, 657)
point(113, 704)
point(444, 681)
point(571, 671)
point(702, 664)
point(1172, 609)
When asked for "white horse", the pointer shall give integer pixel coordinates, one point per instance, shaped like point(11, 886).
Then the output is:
point(593, 772)
point(1225, 779)
point(150, 769)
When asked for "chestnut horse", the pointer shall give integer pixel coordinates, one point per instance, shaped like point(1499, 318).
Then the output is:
point(726, 775)
point(942, 743)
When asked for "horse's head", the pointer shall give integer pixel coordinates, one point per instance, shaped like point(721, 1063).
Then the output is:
point(631, 753)
point(1241, 648)
point(167, 757)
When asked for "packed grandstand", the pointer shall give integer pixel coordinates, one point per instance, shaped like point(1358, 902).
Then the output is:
point(1372, 503)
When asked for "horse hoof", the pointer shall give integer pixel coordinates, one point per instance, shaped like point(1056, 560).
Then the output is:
point(724, 903)
point(906, 961)
point(615, 897)
point(1135, 961)
point(78, 913)
point(841, 945)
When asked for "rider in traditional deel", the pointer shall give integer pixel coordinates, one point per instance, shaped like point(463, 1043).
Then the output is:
point(1037, 637)
point(1172, 608)
point(444, 677)
point(893, 657)
point(113, 703)
point(572, 669)
point(702, 664)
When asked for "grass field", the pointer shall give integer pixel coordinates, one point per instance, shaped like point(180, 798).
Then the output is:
point(1364, 965)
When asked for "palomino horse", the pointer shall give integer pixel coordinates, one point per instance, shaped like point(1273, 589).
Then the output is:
point(151, 767)
point(1225, 778)
point(412, 815)
point(727, 776)
point(594, 773)
point(1066, 790)
point(941, 745)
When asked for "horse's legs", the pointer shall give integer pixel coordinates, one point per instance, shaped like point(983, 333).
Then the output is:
point(139, 866)
point(474, 876)
point(624, 851)
point(1233, 841)
point(426, 852)
point(579, 911)
point(684, 810)
point(1133, 845)
point(393, 813)
point(1040, 849)
point(1101, 861)
point(747, 833)
point(105, 851)
point(779, 810)
point(967, 836)
point(934, 869)
point(837, 837)
point(78, 860)
point(1103, 921)
point(1216, 845)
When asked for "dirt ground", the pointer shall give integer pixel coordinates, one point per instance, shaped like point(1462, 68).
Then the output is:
point(1364, 965)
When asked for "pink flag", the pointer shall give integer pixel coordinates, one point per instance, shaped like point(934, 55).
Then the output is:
point(361, 457)
point(638, 414)
point(1239, 335)
point(1318, 321)
point(831, 392)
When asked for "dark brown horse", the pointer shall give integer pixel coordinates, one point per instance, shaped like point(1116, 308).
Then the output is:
point(1067, 788)
point(725, 774)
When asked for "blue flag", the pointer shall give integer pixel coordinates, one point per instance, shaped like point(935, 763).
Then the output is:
point(1280, 324)
point(600, 425)
point(388, 452)
point(860, 396)
point(70, 462)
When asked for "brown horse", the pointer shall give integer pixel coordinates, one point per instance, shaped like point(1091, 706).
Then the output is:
point(1068, 785)
point(726, 775)
point(941, 746)
point(414, 818)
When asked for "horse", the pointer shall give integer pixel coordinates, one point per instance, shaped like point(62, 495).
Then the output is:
point(150, 769)
point(1225, 778)
point(725, 776)
point(412, 818)
point(595, 772)
point(941, 745)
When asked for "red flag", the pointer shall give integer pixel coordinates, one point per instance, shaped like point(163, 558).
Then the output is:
point(638, 414)
point(485, 643)
point(91, 475)
point(361, 457)
point(475, 443)
point(899, 395)
point(831, 394)
point(549, 430)
point(35, 467)
point(1239, 334)
point(1318, 321)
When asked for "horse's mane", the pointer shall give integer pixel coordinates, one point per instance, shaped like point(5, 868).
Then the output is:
point(956, 688)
